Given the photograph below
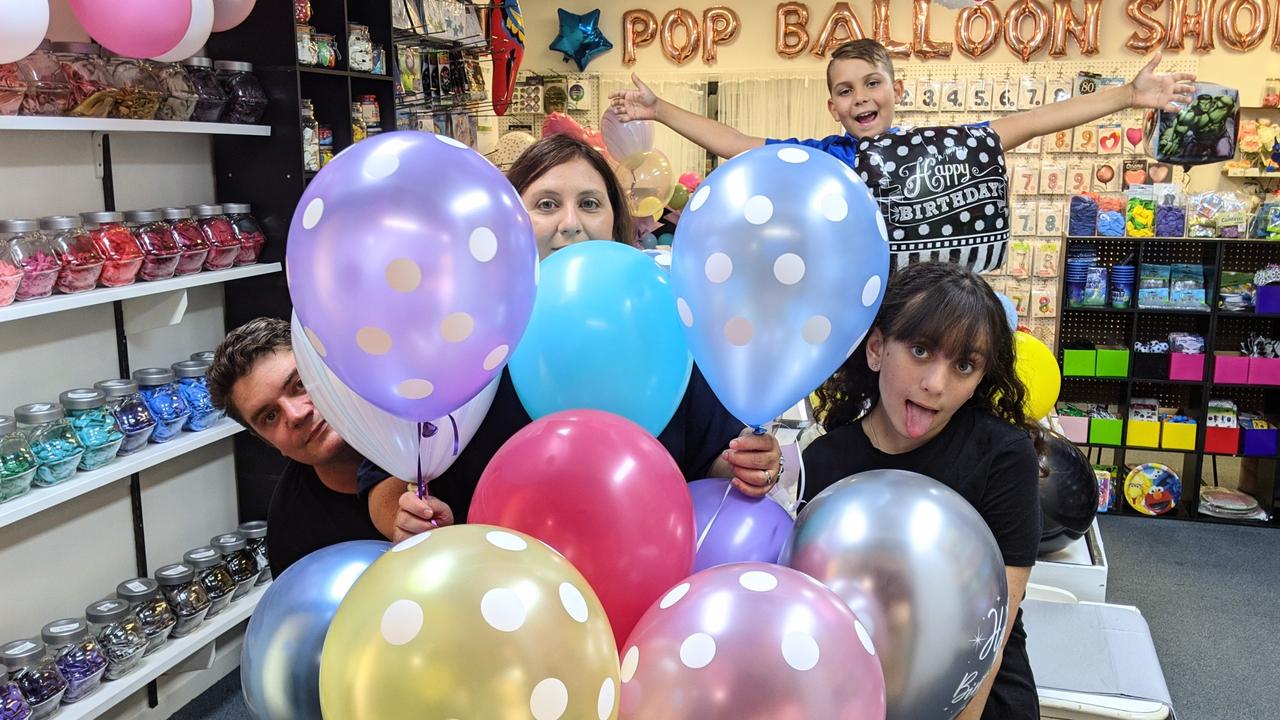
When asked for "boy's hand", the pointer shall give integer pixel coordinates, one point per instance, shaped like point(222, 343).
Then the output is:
point(418, 516)
point(1161, 91)
point(638, 104)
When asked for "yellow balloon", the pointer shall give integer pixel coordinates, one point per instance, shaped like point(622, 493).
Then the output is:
point(648, 182)
point(1038, 370)
point(471, 621)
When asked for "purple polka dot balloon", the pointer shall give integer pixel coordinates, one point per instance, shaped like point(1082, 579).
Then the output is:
point(412, 266)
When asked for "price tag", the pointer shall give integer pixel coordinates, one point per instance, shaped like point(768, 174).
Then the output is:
point(930, 94)
point(1078, 178)
point(979, 95)
point(908, 99)
point(1053, 179)
point(953, 96)
point(1030, 92)
point(1005, 93)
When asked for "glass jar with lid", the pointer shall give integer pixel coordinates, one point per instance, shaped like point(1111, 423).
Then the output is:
point(160, 251)
point(370, 111)
point(186, 598)
point(31, 251)
point(92, 94)
point(359, 130)
point(151, 609)
point(246, 100)
point(81, 261)
point(186, 234)
point(36, 675)
point(12, 89)
point(77, 655)
point(359, 48)
point(159, 388)
point(17, 462)
point(120, 635)
point(327, 55)
point(180, 97)
point(254, 533)
point(132, 415)
point(10, 276)
point(224, 246)
point(13, 706)
point(211, 101)
point(94, 424)
point(205, 355)
point(310, 138)
point(48, 92)
point(308, 53)
point(195, 390)
point(52, 439)
point(138, 90)
point(122, 256)
point(301, 11)
point(247, 231)
point(236, 555)
point(212, 575)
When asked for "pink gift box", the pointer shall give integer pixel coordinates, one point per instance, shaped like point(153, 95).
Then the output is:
point(1230, 368)
point(1076, 429)
point(1264, 371)
point(1183, 366)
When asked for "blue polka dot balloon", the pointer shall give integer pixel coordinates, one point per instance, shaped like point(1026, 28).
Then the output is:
point(779, 266)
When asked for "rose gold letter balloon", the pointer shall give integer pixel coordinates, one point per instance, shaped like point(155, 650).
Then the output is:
point(923, 46)
point(1184, 23)
point(990, 33)
point(1025, 47)
point(880, 31)
point(639, 28)
point(1229, 24)
point(1084, 30)
point(1151, 31)
point(679, 52)
point(719, 26)
point(792, 37)
point(841, 18)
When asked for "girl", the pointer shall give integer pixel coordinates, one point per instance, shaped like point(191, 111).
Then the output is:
point(932, 390)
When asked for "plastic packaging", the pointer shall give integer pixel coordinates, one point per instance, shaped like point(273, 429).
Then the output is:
point(1140, 212)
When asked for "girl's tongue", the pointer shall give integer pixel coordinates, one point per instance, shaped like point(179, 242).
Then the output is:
point(919, 420)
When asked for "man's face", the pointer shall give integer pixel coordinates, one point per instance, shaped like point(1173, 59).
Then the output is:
point(862, 97)
point(279, 410)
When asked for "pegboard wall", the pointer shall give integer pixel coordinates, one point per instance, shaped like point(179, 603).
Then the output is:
point(538, 94)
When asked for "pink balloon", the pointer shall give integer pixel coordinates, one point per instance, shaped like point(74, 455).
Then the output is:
point(605, 494)
point(690, 180)
point(134, 28)
point(624, 139)
point(751, 640)
point(230, 13)
point(557, 123)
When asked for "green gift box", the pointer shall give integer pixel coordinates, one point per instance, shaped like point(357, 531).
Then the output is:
point(1104, 431)
point(1079, 362)
point(1112, 362)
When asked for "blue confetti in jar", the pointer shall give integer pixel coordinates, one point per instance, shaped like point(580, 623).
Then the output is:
point(53, 441)
point(133, 417)
point(17, 463)
point(195, 390)
point(94, 424)
point(35, 674)
point(119, 635)
point(12, 705)
point(151, 609)
point(77, 655)
point(159, 388)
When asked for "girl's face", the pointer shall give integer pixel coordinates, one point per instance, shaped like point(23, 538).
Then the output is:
point(568, 204)
point(920, 388)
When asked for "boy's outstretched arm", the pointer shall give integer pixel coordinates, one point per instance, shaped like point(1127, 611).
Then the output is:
point(1147, 90)
point(642, 104)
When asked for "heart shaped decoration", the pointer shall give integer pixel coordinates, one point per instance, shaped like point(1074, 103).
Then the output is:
point(1109, 141)
point(1159, 172)
point(1135, 177)
point(1134, 136)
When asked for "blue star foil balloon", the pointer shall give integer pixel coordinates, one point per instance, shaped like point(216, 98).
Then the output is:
point(580, 38)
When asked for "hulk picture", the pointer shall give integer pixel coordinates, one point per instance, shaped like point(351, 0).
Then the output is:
point(1205, 130)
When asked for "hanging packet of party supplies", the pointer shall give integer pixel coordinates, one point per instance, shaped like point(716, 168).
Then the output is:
point(1153, 286)
point(1186, 286)
point(1204, 131)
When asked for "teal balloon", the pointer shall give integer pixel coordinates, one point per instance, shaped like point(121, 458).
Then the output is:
point(666, 239)
point(604, 335)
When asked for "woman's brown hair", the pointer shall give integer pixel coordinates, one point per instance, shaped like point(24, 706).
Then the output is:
point(539, 158)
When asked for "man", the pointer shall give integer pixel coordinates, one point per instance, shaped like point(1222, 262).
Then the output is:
point(255, 379)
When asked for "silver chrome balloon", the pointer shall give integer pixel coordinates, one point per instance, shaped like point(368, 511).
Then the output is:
point(920, 568)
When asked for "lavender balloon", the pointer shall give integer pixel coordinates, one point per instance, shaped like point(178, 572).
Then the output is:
point(750, 640)
point(412, 266)
point(742, 529)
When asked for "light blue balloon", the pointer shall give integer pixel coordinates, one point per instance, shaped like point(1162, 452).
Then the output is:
point(1010, 310)
point(280, 662)
point(604, 335)
point(779, 266)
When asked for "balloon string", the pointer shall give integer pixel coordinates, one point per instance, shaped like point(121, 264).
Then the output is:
point(703, 536)
point(454, 423)
point(425, 430)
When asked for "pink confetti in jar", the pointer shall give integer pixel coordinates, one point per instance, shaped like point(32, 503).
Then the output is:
point(81, 261)
point(123, 257)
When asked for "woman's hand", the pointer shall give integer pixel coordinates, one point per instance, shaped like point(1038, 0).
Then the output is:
point(754, 462)
point(638, 104)
point(1166, 91)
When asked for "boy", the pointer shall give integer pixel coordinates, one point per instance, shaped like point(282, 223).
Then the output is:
point(863, 93)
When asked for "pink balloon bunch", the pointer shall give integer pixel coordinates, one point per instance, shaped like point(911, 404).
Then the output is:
point(690, 180)
point(135, 28)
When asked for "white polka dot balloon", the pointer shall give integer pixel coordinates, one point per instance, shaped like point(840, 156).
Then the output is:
point(749, 640)
point(778, 265)
point(412, 264)
point(470, 621)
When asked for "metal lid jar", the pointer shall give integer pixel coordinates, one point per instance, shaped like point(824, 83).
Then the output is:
point(92, 94)
point(94, 424)
point(13, 706)
point(211, 101)
point(138, 90)
point(160, 251)
point(120, 635)
point(247, 231)
point(212, 574)
point(180, 97)
point(17, 462)
point(159, 388)
point(36, 675)
point(52, 440)
point(48, 92)
point(239, 560)
point(224, 247)
point(246, 100)
point(133, 417)
point(81, 261)
point(77, 655)
point(31, 251)
point(195, 390)
point(186, 234)
point(185, 596)
point(12, 89)
point(254, 533)
point(119, 248)
point(151, 609)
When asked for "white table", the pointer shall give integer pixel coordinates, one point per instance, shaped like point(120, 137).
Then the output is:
point(1080, 568)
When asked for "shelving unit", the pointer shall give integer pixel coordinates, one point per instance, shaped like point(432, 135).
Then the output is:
point(114, 125)
point(1222, 330)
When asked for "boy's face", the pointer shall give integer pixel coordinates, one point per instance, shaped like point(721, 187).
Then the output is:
point(862, 97)
point(279, 410)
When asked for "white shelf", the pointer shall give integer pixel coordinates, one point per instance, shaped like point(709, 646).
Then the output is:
point(111, 692)
point(57, 303)
point(42, 498)
point(120, 125)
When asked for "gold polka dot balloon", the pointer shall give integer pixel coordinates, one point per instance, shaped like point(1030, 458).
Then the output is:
point(470, 622)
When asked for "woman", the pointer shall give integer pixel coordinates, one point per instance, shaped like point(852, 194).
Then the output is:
point(572, 195)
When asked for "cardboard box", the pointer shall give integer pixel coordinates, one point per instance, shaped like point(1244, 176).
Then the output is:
point(1103, 431)
point(1112, 362)
point(1264, 371)
point(1183, 366)
point(1230, 367)
point(1075, 429)
point(1222, 441)
point(1079, 363)
point(1143, 433)
point(1178, 436)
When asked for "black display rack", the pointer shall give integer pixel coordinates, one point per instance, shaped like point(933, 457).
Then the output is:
point(1223, 331)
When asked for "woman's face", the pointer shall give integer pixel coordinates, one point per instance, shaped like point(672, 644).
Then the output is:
point(568, 204)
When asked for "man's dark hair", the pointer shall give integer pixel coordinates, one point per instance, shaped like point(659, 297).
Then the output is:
point(238, 352)
point(865, 49)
